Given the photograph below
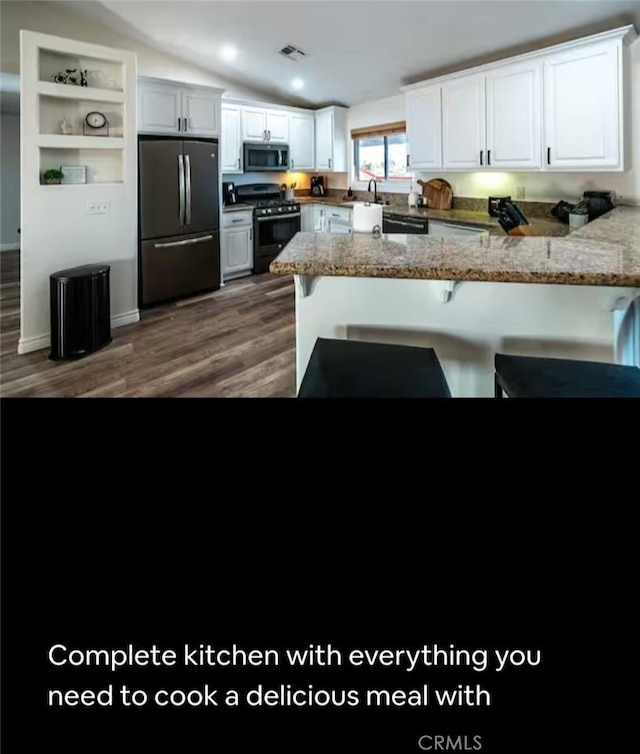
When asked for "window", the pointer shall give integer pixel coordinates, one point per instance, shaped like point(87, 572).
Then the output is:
point(381, 153)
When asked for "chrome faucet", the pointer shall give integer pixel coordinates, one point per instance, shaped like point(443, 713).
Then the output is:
point(375, 190)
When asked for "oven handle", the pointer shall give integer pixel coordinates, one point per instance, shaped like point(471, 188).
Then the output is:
point(277, 217)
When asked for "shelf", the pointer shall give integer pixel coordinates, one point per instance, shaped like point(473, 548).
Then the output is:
point(69, 91)
point(59, 141)
point(99, 184)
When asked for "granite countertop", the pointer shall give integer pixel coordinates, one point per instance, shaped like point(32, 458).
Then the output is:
point(548, 226)
point(604, 252)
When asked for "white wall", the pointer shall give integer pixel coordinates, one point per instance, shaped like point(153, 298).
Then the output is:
point(51, 18)
point(9, 180)
point(538, 186)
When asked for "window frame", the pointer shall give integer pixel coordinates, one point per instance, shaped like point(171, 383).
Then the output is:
point(386, 185)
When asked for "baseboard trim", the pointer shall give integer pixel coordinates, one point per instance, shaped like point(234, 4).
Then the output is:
point(126, 318)
point(9, 246)
point(37, 342)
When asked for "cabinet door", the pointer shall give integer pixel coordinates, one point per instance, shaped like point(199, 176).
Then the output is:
point(230, 140)
point(301, 143)
point(514, 116)
point(463, 124)
point(324, 140)
point(159, 108)
point(319, 219)
point(254, 124)
point(277, 125)
point(306, 219)
point(237, 250)
point(424, 128)
point(581, 108)
point(200, 112)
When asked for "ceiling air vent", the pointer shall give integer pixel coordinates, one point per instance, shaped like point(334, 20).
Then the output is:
point(292, 52)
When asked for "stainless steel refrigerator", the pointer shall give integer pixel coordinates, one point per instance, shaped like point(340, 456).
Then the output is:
point(179, 218)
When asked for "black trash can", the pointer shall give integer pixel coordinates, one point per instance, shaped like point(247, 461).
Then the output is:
point(80, 311)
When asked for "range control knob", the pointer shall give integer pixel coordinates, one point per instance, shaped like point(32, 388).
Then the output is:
point(279, 209)
point(268, 211)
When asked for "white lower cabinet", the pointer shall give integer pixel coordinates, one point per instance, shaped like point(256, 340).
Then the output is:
point(306, 218)
point(236, 243)
point(338, 220)
point(319, 219)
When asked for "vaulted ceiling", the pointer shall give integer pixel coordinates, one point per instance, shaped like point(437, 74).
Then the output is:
point(356, 50)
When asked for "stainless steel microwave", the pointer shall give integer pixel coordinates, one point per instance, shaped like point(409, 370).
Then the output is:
point(263, 156)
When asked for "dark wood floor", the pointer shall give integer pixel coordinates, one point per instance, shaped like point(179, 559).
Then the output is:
point(238, 341)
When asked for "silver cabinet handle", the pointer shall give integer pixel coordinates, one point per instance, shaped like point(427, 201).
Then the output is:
point(264, 136)
point(186, 242)
point(181, 189)
point(251, 234)
point(240, 220)
point(238, 163)
point(179, 124)
point(187, 170)
point(335, 214)
point(291, 164)
point(185, 124)
point(329, 161)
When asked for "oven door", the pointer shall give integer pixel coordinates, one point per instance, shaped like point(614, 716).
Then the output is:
point(271, 236)
point(259, 157)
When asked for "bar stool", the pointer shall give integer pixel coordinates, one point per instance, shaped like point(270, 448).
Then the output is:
point(534, 377)
point(355, 369)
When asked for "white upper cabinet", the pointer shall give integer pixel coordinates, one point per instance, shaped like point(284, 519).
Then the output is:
point(331, 140)
point(424, 128)
point(463, 124)
point(200, 112)
point(514, 116)
point(560, 108)
point(173, 108)
point(301, 142)
point(159, 107)
point(254, 124)
point(583, 125)
point(277, 124)
point(259, 124)
point(230, 140)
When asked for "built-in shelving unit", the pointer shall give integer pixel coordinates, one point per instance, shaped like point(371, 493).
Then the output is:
point(59, 225)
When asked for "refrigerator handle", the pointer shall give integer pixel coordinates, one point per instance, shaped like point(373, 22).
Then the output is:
point(181, 188)
point(187, 170)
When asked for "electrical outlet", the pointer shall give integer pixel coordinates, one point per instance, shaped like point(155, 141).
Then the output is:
point(519, 192)
point(97, 208)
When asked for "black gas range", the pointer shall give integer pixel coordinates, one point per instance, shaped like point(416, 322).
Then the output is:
point(275, 221)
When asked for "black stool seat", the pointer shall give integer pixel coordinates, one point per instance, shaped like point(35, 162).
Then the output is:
point(533, 377)
point(353, 369)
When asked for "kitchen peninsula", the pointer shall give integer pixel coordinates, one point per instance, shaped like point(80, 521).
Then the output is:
point(472, 297)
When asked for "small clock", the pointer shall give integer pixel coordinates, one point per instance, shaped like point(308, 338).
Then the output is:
point(97, 123)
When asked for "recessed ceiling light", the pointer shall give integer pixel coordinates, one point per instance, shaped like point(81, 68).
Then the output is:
point(228, 53)
point(297, 83)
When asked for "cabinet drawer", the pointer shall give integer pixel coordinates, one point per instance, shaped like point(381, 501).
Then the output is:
point(237, 219)
point(338, 213)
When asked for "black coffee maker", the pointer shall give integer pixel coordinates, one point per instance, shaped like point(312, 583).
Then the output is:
point(317, 185)
point(229, 195)
point(598, 203)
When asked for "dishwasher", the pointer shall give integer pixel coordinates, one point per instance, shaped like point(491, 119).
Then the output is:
point(443, 230)
point(405, 225)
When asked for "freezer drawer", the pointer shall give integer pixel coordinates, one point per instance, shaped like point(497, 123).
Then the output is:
point(179, 266)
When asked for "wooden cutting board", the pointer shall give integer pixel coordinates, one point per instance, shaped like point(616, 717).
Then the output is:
point(438, 193)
